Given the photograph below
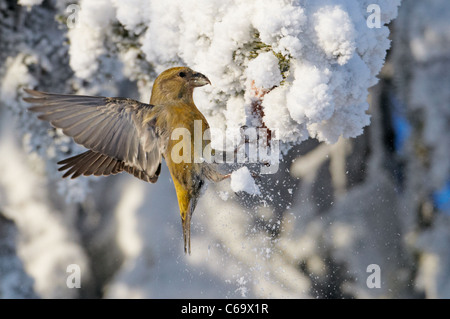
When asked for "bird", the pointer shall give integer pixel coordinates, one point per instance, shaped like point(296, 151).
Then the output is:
point(125, 135)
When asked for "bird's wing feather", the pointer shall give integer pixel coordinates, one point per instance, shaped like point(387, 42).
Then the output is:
point(115, 127)
point(93, 163)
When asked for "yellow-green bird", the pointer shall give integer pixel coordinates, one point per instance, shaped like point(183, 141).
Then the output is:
point(126, 135)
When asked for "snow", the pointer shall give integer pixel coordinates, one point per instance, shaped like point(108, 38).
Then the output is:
point(242, 181)
point(315, 225)
point(30, 2)
point(310, 100)
point(88, 35)
point(427, 91)
point(241, 49)
point(15, 282)
point(264, 71)
point(16, 76)
point(335, 33)
point(48, 243)
point(130, 13)
point(421, 69)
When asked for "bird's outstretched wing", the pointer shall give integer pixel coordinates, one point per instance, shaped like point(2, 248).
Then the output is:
point(117, 131)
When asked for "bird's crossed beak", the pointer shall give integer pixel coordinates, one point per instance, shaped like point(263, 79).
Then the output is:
point(199, 79)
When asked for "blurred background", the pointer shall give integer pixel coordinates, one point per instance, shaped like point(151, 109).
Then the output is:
point(330, 211)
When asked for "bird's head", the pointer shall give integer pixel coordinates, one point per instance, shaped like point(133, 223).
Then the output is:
point(175, 84)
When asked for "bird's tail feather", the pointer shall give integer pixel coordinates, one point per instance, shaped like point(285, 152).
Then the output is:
point(187, 233)
point(186, 223)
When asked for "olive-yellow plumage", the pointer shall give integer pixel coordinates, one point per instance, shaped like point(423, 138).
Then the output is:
point(126, 135)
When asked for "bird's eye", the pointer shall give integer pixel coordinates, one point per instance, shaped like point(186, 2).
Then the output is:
point(182, 74)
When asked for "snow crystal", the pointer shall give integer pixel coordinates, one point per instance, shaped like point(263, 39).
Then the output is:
point(223, 195)
point(30, 3)
point(242, 180)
